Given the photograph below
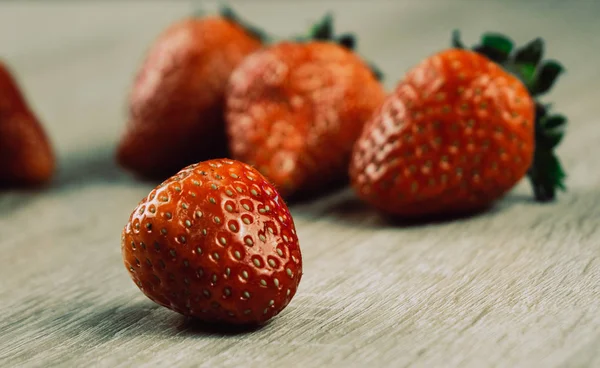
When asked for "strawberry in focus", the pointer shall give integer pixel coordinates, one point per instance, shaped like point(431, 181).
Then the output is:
point(26, 155)
point(177, 101)
point(461, 129)
point(295, 109)
point(215, 242)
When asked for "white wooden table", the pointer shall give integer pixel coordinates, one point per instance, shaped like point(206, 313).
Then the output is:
point(516, 287)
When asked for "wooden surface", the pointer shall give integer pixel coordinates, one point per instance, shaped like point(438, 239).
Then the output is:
point(516, 287)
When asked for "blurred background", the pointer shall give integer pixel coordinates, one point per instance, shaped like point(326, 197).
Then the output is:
point(76, 60)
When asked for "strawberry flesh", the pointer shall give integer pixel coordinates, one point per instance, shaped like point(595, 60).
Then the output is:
point(215, 242)
point(457, 134)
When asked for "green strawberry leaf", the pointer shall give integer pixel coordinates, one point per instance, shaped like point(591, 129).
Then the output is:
point(323, 30)
point(498, 42)
point(491, 53)
point(456, 41)
point(531, 53)
point(527, 73)
point(228, 13)
point(554, 123)
point(554, 140)
point(546, 175)
point(541, 110)
point(547, 75)
point(347, 40)
point(376, 72)
point(495, 47)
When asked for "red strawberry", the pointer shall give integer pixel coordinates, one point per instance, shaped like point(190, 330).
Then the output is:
point(26, 155)
point(176, 105)
point(294, 110)
point(215, 242)
point(460, 131)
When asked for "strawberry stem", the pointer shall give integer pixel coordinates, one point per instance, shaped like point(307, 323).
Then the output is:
point(546, 173)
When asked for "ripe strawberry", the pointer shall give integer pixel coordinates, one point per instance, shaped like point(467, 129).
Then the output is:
point(460, 131)
point(176, 105)
point(215, 242)
point(26, 156)
point(294, 110)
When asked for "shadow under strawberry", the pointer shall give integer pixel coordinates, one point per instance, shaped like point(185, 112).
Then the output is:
point(13, 198)
point(77, 168)
point(93, 165)
point(307, 197)
point(191, 326)
point(346, 207)
point(29, 188)
point(128, 320)
point(340, 205)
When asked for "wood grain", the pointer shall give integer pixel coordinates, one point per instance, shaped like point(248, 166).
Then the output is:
point(518, 286)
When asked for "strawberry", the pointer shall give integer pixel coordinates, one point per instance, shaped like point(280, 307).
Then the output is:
point(460, 130)
point(26, 155)
point(177, 101)
point(294, 110)
point(215, 242)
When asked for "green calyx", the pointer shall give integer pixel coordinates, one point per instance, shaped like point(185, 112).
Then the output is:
point(546, 174)
point(226, 12)
point(229, 14)
point(323, 30)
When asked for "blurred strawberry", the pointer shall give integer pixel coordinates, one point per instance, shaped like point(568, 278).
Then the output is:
point(176, 105)
point(460, 131)
point(26, 155)
point(294, 109)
